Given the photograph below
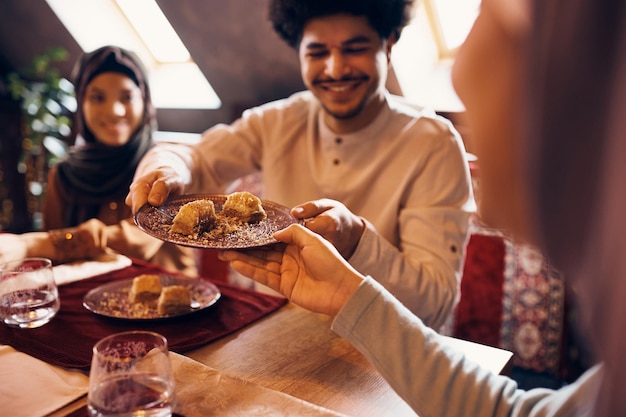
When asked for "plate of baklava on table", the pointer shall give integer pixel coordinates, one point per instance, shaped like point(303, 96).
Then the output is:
point(239, 220)
point(151, 297)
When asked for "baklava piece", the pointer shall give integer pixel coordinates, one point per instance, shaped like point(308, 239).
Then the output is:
point(244, 206)
point(194, 217)
point(174, 299)
point(145, 287)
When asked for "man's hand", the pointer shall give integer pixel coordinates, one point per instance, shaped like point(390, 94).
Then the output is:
point(154, 188)
point(332, 220)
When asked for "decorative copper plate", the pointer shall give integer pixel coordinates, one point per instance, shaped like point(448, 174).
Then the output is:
point(158, 221)
point(112, 299)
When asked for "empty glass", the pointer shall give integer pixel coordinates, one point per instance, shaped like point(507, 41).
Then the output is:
point(29, 297)
point(131, 376)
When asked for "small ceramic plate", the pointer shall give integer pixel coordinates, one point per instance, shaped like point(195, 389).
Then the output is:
point(112, 300)
point(157, 222)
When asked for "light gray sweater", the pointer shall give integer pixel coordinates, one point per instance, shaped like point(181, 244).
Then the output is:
point(436, 380)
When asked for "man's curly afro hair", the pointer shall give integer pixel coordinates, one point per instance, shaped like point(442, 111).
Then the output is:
point(387, 17)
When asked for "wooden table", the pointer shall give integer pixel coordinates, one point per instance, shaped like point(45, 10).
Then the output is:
point(295, 352)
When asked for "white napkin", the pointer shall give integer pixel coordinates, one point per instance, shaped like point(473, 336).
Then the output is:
point(482, 354)
point(202, 391)
point(30, 387)
point(75, 271)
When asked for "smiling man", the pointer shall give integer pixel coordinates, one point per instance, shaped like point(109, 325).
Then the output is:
point(344, 64)
point(383, 180)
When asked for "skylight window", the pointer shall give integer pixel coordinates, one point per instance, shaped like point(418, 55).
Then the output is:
point(155, 30)
point(451, 21)
point(141, 26)
point(424, 55)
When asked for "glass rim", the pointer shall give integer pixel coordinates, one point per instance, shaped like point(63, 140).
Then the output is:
point(46, 262)
point(104, 340)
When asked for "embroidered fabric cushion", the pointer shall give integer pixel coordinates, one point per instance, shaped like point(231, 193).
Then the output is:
point(533, 308)
point(512, 298)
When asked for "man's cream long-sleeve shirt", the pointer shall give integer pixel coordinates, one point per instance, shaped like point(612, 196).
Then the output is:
point(405, 173)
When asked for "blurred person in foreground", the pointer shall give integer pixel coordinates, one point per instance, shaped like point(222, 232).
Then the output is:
point(552, 166)
point(84, 214)
point(383, 180)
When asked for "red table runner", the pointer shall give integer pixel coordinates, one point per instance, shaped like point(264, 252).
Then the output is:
point(68, 339)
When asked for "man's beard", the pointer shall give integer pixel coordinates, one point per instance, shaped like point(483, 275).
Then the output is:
point(349, 114)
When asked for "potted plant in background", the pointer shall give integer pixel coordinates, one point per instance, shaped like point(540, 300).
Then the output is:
point(47, 101)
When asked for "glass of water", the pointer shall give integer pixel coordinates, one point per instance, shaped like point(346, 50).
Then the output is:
point(131, 376)
point(29, 297)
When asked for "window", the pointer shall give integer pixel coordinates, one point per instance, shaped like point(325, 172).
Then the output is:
point(141, 26)
point(450, 22)
point(423, 57)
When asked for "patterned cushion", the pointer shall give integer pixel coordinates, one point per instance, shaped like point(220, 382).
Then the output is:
point(533, 307)
point(512, 298)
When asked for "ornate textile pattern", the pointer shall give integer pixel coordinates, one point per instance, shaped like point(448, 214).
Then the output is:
point(532, 310)
point(512, 298)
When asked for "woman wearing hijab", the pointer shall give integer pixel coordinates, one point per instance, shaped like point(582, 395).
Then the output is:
point(84, 211)
point(546, 100)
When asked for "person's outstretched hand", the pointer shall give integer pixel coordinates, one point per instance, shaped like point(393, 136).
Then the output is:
point(154, 188)
point(334, 221)
point(308, 270)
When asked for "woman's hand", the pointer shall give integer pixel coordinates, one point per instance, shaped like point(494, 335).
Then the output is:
point(308, 270)
point(333, 221)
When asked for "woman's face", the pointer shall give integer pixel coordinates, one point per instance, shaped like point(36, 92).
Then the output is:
point(488, 78)
point(113, 108)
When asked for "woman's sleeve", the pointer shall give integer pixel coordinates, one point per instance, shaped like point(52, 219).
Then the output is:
point(65, 244)
point(434, 378)
point(54, 206)
point(84, 241)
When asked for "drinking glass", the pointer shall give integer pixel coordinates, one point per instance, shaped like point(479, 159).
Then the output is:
point(29, 297)
point(131, 376)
